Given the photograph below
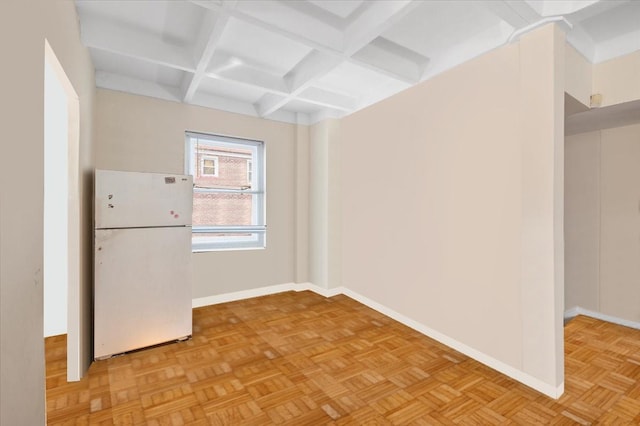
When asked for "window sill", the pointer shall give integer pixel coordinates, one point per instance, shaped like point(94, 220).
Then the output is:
point(207, 250)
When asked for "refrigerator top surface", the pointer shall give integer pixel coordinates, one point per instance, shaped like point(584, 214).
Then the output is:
point(134, 200)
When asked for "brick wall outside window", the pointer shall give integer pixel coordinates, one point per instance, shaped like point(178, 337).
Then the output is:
point(222, 208)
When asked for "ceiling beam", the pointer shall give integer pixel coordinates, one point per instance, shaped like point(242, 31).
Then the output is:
point(290, 18)
point(290, 34)
point(309, 68)
point(388, 56)
point(318, 97)
point(375, 20)
point(370, 24)
point(209, 38)
point(315, 65)
point(299, 38)
point(317, 13)
point(312, 44)
point(270, 103)
point(595, 9)
point(224, 104)
point(98, 34)
point(122, 83)
point(207, 4)
point(504, 11)
point(523, 9)
point(253, 78)
point(324, 98)
point(386, 72)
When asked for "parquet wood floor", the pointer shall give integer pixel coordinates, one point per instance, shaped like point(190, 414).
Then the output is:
point(302, 359)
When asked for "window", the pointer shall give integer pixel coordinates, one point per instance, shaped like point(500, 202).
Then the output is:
point(208, 165)
point(228, 191)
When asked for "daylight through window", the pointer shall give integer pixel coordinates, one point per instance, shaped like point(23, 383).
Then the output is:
point(228, 194)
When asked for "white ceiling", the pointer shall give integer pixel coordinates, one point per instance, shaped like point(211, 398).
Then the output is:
point(306, 60)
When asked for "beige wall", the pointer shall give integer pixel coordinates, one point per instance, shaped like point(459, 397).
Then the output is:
point(450, 205)
point(137, 133)
point(324, 204)
point(23, 29)
point(603, 222)
point(302, 204)
point(582, 220)
point(617, 79)
point(541, 101)
point(444, 243)
point(620, 222)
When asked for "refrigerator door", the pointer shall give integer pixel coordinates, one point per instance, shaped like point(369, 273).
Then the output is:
point(142, 288)
point(131, 199)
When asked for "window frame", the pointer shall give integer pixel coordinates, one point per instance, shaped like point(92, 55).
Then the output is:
point(205, 157)
point(257, 231)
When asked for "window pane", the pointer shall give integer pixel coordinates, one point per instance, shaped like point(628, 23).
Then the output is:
point(231, 240)
point(229, 191)
point(227, 171)
point(208, 166)
point(224, 208)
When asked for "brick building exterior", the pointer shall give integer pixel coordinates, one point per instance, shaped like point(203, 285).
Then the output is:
point(220, 168)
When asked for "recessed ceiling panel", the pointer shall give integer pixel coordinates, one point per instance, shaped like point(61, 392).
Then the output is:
point(436, 25)
point(341, 8)
point(231, 90)
point(130, 67)
point(368, 86)
point(256, 46)
point(317, 57)
point(174, 22)
point(285, 17)
point(301, 106)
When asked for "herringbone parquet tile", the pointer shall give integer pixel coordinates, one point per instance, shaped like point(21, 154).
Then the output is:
point(302, 359)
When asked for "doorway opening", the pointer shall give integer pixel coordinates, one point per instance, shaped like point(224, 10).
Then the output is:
point(61, 248)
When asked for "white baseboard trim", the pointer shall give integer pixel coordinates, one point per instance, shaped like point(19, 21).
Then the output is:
point(326, 292)
point(540, 386)
point(577, 310)
point(570, 313)
point(240, 295)
point(264, 291)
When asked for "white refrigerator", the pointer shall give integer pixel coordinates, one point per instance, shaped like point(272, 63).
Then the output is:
point(142, 260)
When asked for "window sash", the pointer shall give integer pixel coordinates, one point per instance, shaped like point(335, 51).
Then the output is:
point(221, 190)
point(231, 229)
point(257, 239)
point(258, 227)
point(203, 165)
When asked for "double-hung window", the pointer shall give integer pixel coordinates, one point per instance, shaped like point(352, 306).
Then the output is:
point(228, 191)
point(208, 165)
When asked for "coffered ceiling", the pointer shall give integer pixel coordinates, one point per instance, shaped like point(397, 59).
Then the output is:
point(306, 60)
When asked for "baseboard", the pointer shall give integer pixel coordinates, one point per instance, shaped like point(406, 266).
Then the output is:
point(244, 294)
point(540, 386)
point(577, 310)
point(532, 382)
point(570, 313)
point(264, 291)
point(326, 292)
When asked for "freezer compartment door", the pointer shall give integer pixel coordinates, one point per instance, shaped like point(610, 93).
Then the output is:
point(142, 293)
point(130, 199)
